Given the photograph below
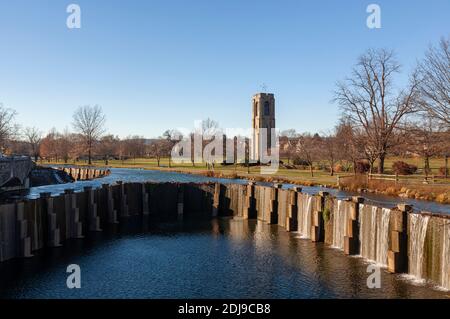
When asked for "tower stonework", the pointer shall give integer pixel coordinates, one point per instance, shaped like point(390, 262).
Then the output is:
point(263, 116)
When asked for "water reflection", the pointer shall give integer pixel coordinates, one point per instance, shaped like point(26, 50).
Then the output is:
point(223, 258)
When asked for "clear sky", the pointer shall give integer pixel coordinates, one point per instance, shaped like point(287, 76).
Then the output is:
point(158, 64)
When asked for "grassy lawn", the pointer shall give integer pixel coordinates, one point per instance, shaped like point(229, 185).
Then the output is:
point(435, 163)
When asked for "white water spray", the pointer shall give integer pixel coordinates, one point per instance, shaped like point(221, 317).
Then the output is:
point(445, 263)
point(305, 218)
point(340, 217)
point(418, 225)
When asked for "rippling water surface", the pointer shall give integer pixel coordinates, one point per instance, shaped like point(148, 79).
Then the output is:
point(222, 258)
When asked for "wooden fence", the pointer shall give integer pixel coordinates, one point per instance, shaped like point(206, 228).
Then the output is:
point(403, 179)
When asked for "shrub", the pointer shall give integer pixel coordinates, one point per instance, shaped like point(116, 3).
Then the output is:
point(442, 171)
point(233, 175)
point(362, 167)
point(403, 168)
point(209, 174)
point(299, 161)
point(338, 168)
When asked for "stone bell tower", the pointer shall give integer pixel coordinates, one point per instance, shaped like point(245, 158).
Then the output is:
point(263, 116)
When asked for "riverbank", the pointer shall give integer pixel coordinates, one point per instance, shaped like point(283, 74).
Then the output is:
point(428, 192)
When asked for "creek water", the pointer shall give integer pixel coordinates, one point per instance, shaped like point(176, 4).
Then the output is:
point(222, 258)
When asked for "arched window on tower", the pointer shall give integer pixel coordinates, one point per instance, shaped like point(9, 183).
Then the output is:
point(266, 108)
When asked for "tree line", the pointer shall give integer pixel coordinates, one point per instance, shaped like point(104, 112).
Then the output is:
point(379, 118)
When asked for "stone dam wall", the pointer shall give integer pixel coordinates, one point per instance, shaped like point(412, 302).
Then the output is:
point(40, 175)
point(81, 174)
point(398, 239)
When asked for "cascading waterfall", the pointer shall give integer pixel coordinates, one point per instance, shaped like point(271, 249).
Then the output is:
point(368, 231)
point(445, 261)
point(418, 225)
point(340, 218)
point(383, 237)
point(374, 233)
point(305, 218)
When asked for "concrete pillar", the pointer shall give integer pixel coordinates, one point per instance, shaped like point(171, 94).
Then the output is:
point(65, 170)
point(250, 202)
point(323, 195)
point(53, 231)
point(92, 209)
point(273, 212)
point(145, 200)
point(8, 232)
point(398, 245)
point(2, 254)
point(292, 214)
point(180, 201)
point(111, 211)
point(216, 200)
point(351, 240)
point(74, 227)
point(23, 240)
point(318, 223)
point(124, 212)
point(37, 228)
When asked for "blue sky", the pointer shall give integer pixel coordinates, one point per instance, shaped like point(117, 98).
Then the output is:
point(158, 64)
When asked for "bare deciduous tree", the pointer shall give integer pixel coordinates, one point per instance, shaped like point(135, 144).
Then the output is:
point(434, 72)
point(65, 144)
point(171, 137)
point(7, 125)
point(49, 146)
point(89, 121)
point(134, 146)
point(307, 149)
point(289, 140)
point(34, 138)
point(349, 144)
point(329, 150)
point(426, 139)
point(161, 148)
point(209, 128)
point(108, 147)
point(368, 99)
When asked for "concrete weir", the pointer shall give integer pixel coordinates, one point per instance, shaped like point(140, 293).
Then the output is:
point(397, 238)
point(85, 173)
